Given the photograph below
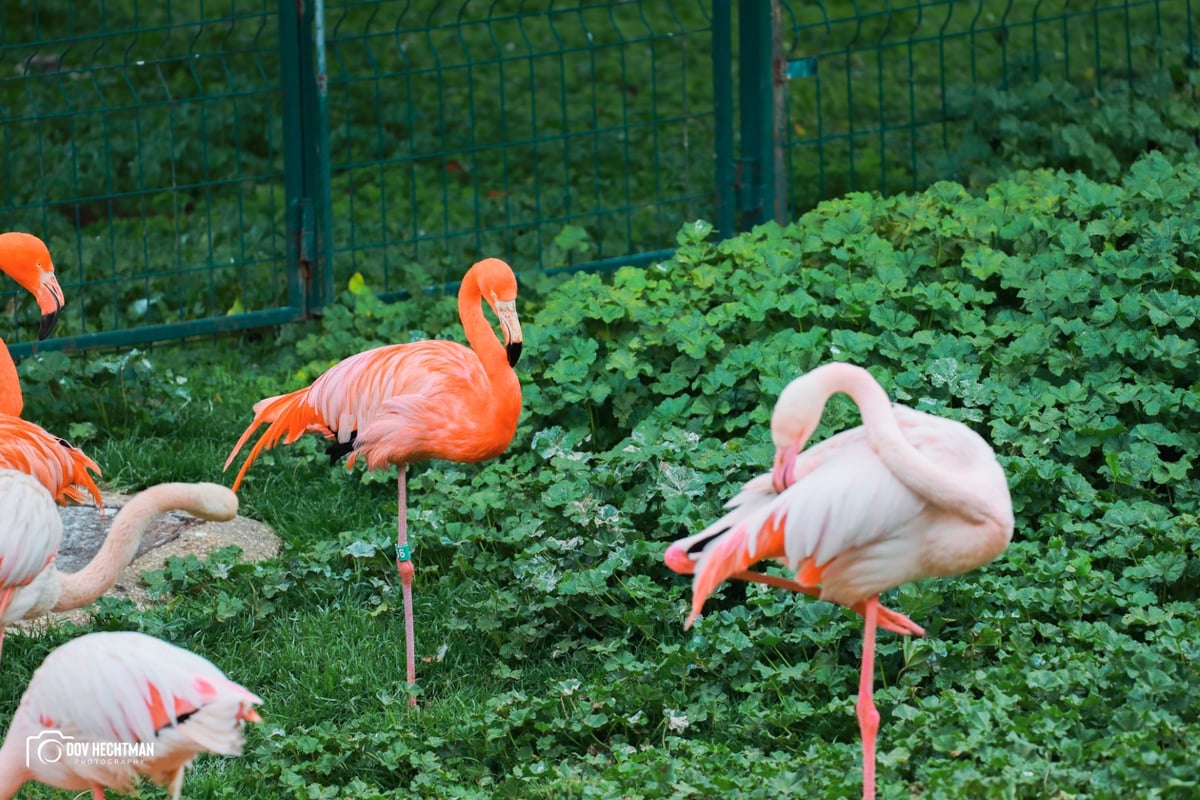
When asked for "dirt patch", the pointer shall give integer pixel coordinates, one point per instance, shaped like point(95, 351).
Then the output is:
point(175, 533)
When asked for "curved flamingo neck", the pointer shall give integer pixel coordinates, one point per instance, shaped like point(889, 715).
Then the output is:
point(480, 334)
point(11, 401)
point(120, 546)
point(936, 485)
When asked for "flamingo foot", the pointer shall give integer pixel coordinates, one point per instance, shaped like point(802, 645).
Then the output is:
point(889, 620)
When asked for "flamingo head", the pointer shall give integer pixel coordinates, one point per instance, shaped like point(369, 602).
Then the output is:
point(26, 260)
point(498, 285)
point(797, 414)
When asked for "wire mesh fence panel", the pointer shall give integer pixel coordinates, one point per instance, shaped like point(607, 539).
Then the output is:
point(892, 96)
point(548, 133)
point(142, 142)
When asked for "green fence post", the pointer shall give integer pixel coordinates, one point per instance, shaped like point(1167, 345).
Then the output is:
point(295, 172)
point(306, 153)
point(722, 63)
point(761, 198)
point(321, 288)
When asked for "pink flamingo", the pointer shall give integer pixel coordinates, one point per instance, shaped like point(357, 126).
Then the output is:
point(25, 259)
point(402, 403)
point(148, 706)
point(904, 496)
point(33, 540)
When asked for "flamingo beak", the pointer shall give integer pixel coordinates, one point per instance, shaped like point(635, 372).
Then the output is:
point(50, 300)
point(785, 464)
point(507, 313)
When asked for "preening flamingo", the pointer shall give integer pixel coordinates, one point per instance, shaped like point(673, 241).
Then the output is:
point(146, 706)
point(26, 260)
point(402, 403)
point(906, 495)
point(57, 465)
point(52, 590)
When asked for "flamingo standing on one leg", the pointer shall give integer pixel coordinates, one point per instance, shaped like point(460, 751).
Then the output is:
point(26, 260)
point(904, 496)
point(402, 403)
point(129, 693)
point(51, 590)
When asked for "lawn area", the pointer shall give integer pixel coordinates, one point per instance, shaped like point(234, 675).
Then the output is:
point(1054, 314)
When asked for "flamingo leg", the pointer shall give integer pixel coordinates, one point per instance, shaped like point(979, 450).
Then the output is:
point(5, 598)
point(97, 792)
point(405, 566)
point(889, 620)
point(868, 715)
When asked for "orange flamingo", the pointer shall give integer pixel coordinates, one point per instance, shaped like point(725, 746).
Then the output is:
point(25, 259)
point(23, 445)
point(904, 496)
point(402, 403)
point(145, 706)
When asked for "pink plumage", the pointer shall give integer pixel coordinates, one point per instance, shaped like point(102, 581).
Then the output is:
point(905, 496)
point(154, 704)
point(30, 537)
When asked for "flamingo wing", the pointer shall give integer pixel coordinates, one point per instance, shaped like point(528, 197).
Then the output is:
point(124, 687)
point(62, 468)
point(33, 529)
point(427, 377)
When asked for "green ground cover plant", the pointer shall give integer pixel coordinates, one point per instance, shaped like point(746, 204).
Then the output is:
point(1055, 314)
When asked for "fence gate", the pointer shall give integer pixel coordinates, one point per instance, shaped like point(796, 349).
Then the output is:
point(199, 168)
point(144, 143)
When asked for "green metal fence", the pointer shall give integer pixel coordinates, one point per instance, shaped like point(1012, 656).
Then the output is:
point(143, 142)
point(893, 96)
point(205, 167)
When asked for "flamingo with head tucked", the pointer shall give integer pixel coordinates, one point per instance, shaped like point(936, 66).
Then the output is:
point(904, 496)
point(151, 706)
point(402, 403)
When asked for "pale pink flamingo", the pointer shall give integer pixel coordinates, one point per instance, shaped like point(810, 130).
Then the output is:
point(402, 403)
point(29, 537)
point(147, 706)
point(51, 590)
point(25, 259)
point(904, 496)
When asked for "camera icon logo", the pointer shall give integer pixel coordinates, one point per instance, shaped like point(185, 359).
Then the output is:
point(48, 747)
